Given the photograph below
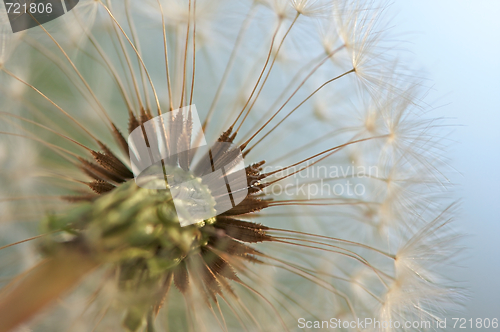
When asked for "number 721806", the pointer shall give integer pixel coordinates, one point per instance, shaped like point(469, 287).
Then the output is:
point(32, 8)
point(478, 323)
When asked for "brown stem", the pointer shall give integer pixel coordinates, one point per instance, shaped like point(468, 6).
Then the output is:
point(24, 297)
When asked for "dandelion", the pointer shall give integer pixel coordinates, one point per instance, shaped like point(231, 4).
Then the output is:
point(341, 214)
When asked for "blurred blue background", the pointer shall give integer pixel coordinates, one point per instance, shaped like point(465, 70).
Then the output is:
point(457, 42)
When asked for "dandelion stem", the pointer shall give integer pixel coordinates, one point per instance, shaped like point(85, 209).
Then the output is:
point(23, 241)
point(329, 151)
point(129, 64)
point(52, 146)
point(297, 107)
point(138, 45)
point(42, 286)
point(137, 53)
point(285, 90)
point(78, 73)
point(185, 56)
point(229, 65)
point(165, 47)
point(292, 95)
point(273, 40)
point(50, 101)
point(194, 54)
point(47, 128)
point(279, 230)
point(269, 71)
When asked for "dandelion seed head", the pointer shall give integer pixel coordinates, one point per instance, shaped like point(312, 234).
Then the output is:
point(281, 8)
point(342, 169)
point(312, 8)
